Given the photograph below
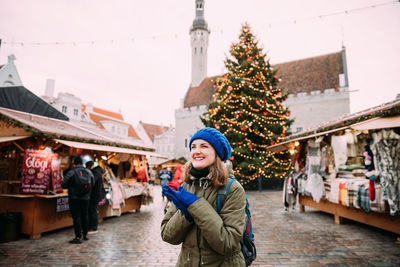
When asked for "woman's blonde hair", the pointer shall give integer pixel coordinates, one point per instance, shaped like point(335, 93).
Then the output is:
point(218, 172)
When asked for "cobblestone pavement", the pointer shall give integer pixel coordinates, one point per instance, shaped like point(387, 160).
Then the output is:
point(282, 239)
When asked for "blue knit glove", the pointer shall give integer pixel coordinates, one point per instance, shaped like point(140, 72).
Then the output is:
point(172, 195)
point(186, 197)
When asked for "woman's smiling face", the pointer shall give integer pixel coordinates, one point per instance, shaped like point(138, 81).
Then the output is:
point(202, 154)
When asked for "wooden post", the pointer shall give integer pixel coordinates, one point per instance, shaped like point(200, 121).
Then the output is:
point(302, 209)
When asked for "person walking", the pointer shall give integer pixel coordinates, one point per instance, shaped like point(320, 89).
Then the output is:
point(95, 196)
point(79, 183)
point(207, 238)
point(165, 177)
point(153, 175)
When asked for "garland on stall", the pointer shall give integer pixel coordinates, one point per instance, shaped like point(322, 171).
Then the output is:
point(386, 112)
point(36, 132)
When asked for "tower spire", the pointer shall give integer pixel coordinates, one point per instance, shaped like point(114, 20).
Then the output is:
point(199, 33)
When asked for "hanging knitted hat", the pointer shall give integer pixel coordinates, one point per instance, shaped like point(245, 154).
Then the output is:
point(216, 139)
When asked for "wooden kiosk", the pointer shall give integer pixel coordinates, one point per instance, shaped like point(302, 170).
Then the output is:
point(346, 187)
point(48, 211)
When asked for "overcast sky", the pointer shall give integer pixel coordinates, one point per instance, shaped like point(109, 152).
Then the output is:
point(135, 56)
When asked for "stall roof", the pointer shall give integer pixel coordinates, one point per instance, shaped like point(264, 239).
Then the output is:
point(51, 126)
point(386, 115)
point(89, 146)
point(61, 129)
point(378, 123)
point(12, 138)
point(20, 98)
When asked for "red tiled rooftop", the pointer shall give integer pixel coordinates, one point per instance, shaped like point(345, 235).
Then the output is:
point(153, 129)
point(304, 75)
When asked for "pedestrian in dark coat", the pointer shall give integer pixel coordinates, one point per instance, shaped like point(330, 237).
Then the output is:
point(95, 197)
point(78, 202)
point(207, 238)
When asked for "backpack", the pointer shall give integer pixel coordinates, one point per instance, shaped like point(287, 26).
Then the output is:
point(83, 182)
point(247, 241)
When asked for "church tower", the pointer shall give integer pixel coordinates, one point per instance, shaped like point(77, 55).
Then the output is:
point(199, 41)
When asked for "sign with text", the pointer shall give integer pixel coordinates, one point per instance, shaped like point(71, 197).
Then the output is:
point(56, 176)
point(36, 171)
point(62, 204)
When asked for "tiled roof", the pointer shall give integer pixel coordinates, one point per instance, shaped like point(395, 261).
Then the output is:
point(153, 129)
point(102, 114)
point(200, 95)
point(305, 75)
point(316, 73)
point(118, 116)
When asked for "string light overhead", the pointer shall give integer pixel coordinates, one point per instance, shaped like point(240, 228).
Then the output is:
point(172, 36)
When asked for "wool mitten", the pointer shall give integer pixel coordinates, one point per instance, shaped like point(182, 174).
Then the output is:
point(172, 195)
point(186, 197)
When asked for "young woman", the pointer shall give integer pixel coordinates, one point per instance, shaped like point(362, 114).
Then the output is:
point(208, 238)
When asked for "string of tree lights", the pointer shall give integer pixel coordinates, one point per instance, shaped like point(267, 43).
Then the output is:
point(248, 109)
point(133, 39)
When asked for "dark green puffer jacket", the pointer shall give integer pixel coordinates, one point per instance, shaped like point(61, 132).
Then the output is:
point(212, 239)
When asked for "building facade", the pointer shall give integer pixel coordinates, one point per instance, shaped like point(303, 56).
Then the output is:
point(317, 87)
point(8, 73)
point(148, 132)
point(164, 143)
point(89, 116)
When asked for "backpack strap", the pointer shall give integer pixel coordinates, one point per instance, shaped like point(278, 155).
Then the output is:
point(223, 193)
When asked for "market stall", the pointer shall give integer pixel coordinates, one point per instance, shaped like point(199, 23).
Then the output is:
point(34, 154)
point(349, 167)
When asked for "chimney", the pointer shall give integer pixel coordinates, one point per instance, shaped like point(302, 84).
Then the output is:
point(11, 59)
point(49, 91)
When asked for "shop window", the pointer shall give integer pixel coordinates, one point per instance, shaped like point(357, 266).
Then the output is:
point(64, 109)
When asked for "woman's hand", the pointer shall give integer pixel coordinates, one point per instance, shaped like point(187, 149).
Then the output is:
point(174, 197)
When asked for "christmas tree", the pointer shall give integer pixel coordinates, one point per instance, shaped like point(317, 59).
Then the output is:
point(248, 109)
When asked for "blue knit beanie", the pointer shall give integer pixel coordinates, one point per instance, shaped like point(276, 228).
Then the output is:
point(216, 139)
